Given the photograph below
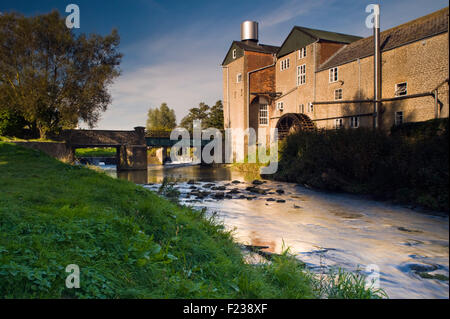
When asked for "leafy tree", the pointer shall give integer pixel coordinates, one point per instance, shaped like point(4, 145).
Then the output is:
point(215, 116)
point(197, 113)
point(210, 116)
point(52, 77)
point(162, 118)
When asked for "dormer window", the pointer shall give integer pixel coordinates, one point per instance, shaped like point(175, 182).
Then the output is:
point(302, 53)
point(333, 75)
point(284, 64)
point(234, 54)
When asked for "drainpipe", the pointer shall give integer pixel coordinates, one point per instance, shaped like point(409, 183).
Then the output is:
point(315, 69)
point(377, 68)
point(228, 96)
point(436, 104)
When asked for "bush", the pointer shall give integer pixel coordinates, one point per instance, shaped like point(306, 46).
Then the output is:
point(11, 123)
point(395, 167)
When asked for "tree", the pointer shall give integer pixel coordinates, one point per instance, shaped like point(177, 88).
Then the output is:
point(215, 116)
point(210, 116)
point(197, 113)
point(52, 77)
point(162, 118)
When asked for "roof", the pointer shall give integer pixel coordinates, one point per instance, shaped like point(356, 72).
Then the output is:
point(255, 47)
point(329, 36)
point(248, 46)
point(300, 37)
point(415, 30)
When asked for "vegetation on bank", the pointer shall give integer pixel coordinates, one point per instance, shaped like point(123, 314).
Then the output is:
point(96, 152)
point(411, 165)
point(128, 242)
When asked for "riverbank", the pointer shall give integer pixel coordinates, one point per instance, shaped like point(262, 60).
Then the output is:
point(410, 166)
point(127, 241)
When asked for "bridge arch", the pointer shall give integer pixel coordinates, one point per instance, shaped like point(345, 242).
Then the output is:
point(293, 122)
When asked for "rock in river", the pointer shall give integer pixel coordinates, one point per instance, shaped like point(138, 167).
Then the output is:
point(257, 182)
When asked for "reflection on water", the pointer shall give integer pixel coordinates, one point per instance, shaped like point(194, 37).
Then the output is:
point(323, 229)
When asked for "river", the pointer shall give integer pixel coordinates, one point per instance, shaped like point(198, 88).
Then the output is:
point(323, 229)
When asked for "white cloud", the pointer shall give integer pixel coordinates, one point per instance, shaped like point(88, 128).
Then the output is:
point(290, 10)
point(182, 83)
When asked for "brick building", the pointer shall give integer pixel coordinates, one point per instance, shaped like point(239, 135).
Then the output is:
point(326, 79)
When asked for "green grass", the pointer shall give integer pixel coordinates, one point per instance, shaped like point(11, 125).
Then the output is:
point(128, 241)
point(18, 139)
point(95, 152)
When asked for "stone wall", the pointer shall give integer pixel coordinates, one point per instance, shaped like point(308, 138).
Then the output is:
point(61, 151)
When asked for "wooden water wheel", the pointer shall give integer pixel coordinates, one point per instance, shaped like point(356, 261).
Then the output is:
point(293, 122)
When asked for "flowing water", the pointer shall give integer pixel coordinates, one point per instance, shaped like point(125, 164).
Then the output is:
point(323, 229)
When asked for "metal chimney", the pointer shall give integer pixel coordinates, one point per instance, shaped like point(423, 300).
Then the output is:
point(249, 31)
point(377, 67)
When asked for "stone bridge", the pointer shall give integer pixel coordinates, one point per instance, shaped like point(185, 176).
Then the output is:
point(131, 145)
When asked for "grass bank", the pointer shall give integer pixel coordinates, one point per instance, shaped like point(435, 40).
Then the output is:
point(96, 152)
point(127, 241)
point(411, 165)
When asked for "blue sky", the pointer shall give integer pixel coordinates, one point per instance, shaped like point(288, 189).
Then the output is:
point(173, 49)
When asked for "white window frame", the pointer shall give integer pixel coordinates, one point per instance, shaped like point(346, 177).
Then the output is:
point(263, 114)
point(280, 106)
point(239, 78)
point(401, 114)
point(338, 123)
point(401, 93)
point(333, 75)
point(302, 53)
point(302, 108)
point(234, 53)
point(337, 98)
point(285, 64)
point(354, 121)
point(301, 74)
point(310, 108)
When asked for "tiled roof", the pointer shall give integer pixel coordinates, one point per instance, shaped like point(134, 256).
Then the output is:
point(329, 36)
point(256, 47)
point(415, 30)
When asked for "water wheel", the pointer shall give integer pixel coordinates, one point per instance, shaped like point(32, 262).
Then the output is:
point(293, 122)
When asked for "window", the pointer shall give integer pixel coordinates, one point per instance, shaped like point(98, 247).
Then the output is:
point(280, 106)
point(401, 89)
point(284, 64)
point(302, 53)
point(263, 114)
point(301, 108)
point(238, 77)
point(310, 107)
point(333, 75)
point(338, 94)
point(338, 123)
point(399, 118)
point(234, 54)
point(301, 74)
point(354, 121)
